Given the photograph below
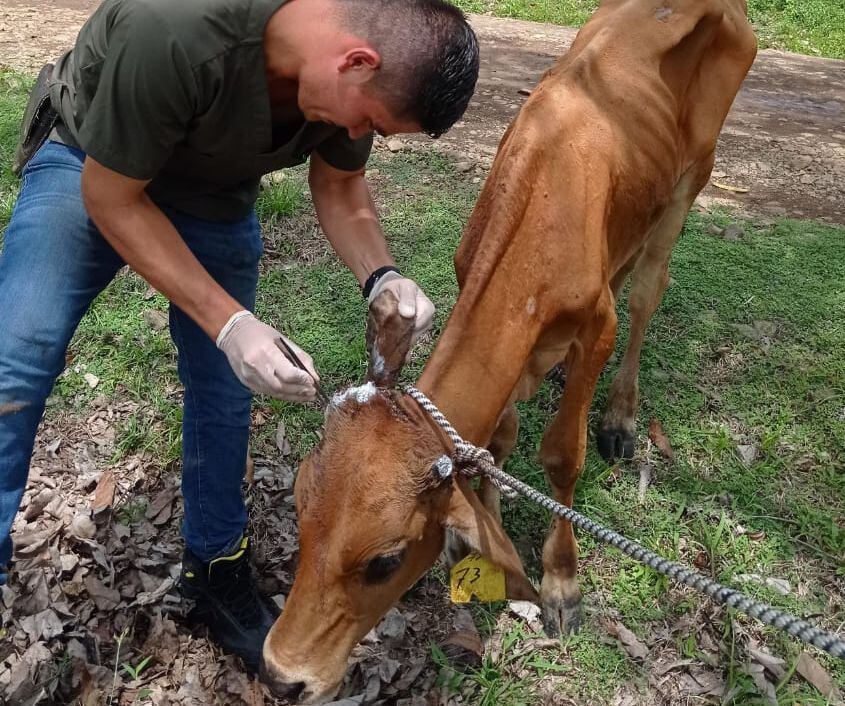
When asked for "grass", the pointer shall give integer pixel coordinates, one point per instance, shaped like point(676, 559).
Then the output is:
point(803, 26)
point(513, 671)
point(13, 89)
point(747, 349)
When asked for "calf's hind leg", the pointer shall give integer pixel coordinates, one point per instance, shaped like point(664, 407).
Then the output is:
point(615, 438)
point(562, 454)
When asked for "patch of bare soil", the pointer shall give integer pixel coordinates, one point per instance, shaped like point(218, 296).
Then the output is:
point(784, 140)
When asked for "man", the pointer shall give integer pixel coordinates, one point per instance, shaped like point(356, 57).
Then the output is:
point(167, 114)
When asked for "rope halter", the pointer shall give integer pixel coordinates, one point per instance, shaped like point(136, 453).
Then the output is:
point(474, 461)
point(471, 460)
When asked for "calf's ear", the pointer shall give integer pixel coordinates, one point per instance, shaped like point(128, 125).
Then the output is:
point(389, 338)
point(468, 517)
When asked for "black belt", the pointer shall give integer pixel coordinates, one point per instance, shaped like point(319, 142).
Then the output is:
point(39, 119)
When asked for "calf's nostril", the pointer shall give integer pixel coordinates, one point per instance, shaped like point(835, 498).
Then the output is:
point(291, 690)
point(278, 685)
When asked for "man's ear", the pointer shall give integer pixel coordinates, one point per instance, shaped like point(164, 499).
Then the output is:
point(470, 519)
point(389, 338)
point(360, 63)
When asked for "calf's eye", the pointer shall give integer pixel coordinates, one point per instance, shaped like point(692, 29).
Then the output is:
point(382, 567)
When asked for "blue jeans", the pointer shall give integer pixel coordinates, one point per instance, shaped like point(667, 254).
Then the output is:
point(53, 264)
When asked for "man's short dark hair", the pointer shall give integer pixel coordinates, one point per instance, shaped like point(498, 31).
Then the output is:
point(429, 57)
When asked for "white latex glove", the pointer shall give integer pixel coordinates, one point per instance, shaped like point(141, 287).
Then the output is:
point(250, 346)
point(413, 303)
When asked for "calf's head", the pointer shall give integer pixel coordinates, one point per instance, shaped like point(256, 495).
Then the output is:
point(374, 506)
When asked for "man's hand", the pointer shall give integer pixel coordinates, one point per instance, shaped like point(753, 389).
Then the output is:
point(413, 303)
point(250, 346)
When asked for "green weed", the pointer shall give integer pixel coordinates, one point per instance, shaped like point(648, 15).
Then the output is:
point(134, 673)
point(280, 197)
point(803, 26)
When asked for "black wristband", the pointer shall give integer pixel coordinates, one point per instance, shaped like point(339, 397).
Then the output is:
point(374, 277)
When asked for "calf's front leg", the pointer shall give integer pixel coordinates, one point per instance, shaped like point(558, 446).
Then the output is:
point(562, 454)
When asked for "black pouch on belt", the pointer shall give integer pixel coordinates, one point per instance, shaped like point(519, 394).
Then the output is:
point(39, 118)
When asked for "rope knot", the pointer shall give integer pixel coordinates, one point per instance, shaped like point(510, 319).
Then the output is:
point(467, 454)
point(470, 459)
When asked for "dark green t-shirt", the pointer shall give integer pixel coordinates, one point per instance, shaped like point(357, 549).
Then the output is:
point(175, 91)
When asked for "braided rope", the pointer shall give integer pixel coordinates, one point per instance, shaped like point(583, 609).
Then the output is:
point(474, 460)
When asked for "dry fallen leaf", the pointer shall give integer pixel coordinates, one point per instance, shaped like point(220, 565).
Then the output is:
point(764, 686)
point(660, 440)
point(83, 527)
point(281, 441)
point(817, 675)
point(705, 682)
point(528, 611)
point(645, 481)
point(104, 598)
point(248, 690)
point(417, 664)
point(163, 640)
point(387, 670)
point(702, 560)
point(23, 677)
point(104, 495)
point(44, 625)
point(68, 562)
point(630, 642)
point(774, 664)
point(463, 647)
point(149, 597)
point(729, 187)
point(392, 627)
point(249, 474)
point(38, 503)
point(781, 586)
point(29, 543)
point(158, 511)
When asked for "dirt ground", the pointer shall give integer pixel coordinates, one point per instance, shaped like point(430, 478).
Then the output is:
point(784, 140)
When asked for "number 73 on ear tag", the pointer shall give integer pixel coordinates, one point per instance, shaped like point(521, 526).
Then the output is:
point(477, 576)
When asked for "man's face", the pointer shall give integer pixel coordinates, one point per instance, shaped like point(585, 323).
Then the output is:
point(340, 93)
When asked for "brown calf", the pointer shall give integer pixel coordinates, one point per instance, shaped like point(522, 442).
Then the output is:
point(592, 182)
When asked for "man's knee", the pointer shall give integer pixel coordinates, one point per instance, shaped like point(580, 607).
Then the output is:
point(31, 359)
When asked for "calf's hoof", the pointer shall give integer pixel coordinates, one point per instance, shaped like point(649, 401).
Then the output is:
point(561, 616)
point(615, 443)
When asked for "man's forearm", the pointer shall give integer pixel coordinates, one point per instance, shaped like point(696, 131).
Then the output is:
point(348, 217)
point(150, 245)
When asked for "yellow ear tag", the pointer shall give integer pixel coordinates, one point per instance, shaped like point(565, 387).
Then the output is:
point(477, 576)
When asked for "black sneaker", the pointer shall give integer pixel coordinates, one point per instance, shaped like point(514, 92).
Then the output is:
point(228, 602)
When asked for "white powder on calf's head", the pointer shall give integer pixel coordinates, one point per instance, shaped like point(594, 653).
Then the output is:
point(361, 394)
